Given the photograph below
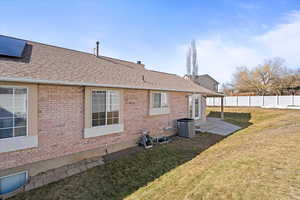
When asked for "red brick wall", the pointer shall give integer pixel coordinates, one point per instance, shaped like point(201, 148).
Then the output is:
point(61, 123)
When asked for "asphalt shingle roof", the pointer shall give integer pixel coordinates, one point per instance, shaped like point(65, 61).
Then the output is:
point(43, 63)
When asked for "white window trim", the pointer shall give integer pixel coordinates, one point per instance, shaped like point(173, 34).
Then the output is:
point(18, 143)
point(27, 109)
point(14, 174)
point(194, 96)
point(17, 173)
point(104, 129)
point(161, 110)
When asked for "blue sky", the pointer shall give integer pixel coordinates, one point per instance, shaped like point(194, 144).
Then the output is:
point(229, 33)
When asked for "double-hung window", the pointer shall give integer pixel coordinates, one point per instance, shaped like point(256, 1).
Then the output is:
point(105, 107)
point(159, 103)
point(13, 112)
point(104, 112)
point(159, 100)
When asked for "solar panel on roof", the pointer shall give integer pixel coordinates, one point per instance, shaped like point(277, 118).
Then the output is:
point(11, 46)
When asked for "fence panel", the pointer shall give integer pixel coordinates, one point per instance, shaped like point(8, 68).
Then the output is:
point(297, 100)
point(285, 100)
point(256, 101)
point(243, 101)
point(210, 101)
point(270, 100)
point(230, 101)
point(217, 101)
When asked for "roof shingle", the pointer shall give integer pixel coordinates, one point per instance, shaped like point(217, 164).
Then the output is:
point(43, 63)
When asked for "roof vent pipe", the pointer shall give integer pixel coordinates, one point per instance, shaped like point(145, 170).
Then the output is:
point(139, 62)
point(97, 48)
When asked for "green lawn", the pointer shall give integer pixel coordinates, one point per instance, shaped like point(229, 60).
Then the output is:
point(261, 161)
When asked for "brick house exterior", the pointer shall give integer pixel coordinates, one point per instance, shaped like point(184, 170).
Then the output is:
point(60, 124)
point(59, 109)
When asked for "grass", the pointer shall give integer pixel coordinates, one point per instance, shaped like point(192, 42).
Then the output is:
point(119, 178)
point(234, 116)
point(261, 161)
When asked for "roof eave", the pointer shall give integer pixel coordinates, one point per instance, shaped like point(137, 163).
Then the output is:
point(216, 95)
point(58, 82)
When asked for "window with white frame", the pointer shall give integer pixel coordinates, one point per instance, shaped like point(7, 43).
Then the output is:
point(105, 107)
point(13, 112)
point(159, 100)
point(194, 107)
point(12, 182)
point(191, 106)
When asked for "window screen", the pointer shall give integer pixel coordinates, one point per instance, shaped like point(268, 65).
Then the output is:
point(13, 112)
point(105, 108)
point(159, 100)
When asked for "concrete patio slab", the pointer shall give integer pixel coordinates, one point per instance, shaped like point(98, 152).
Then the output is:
point(216, 126)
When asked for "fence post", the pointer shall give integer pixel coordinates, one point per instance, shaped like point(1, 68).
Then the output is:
point(263, 98)
point(237, 100)
point(222, 107)
point(277, 99)
point(293, 99)
point(249, 101)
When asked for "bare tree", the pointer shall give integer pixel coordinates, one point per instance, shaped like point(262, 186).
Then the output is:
point(194, 58)
point(243, 81)
point(271, 77)
point(188, 62)
point(191, 60)
point(227, 89)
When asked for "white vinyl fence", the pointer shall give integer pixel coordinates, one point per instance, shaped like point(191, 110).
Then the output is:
point(255, 101)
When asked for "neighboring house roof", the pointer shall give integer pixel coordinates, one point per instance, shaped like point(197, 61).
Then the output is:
point(48, 64)
point(206, 76)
